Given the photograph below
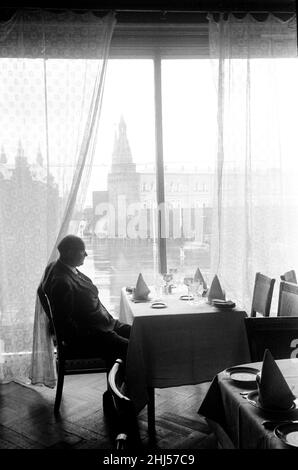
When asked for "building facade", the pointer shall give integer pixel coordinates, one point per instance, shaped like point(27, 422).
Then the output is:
point(131, 198)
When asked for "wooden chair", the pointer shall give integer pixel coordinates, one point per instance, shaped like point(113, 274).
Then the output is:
point(262, 295)
point(68, 362)
point(289, 276)
point(278, 334)
point(125, 418)
point(287, 300)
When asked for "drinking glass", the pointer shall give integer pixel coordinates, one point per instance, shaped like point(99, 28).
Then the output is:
point(174, 273)
point(158, 285)
point(168, 277)
point(188, 281)
point(197, 291)
point(180, 287)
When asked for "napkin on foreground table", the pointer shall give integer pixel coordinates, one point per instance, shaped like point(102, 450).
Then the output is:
point(199, 277)
point(142, 290)
point(274, 392)
point(216, 291)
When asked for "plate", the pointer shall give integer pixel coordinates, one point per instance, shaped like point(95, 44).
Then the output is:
point(288, 433)
point(223, 303)
point(186, 297)
point(243, 375)
point(253, 399)
point(139, 301)
point(159, 305)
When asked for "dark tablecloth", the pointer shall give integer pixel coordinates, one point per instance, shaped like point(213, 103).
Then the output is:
point(239, 419)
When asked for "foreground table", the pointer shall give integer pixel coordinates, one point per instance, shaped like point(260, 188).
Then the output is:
point(182, 344)
point(237, 423)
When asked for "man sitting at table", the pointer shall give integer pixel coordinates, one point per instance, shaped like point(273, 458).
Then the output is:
point(85, 323)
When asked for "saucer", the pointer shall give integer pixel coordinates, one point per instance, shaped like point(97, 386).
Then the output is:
point(288, 433)
point(223, 303)
point(137, 301)
point(253, 399)
point(242, 375)
point(186, 297)
point(158, 304)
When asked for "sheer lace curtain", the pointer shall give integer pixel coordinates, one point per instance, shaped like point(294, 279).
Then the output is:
point(52, 69)
point(255, 192)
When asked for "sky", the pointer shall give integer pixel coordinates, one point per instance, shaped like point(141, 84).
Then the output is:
point(187, 115)
point(189, 112)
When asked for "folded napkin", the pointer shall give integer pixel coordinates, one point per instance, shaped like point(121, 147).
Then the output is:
point(142, 290)
point(274, 392)
point(216, 291)
point(198, 277)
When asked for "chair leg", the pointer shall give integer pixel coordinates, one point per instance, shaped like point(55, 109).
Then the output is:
point(59, 389)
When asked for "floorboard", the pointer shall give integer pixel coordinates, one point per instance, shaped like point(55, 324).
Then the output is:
point(27, 420)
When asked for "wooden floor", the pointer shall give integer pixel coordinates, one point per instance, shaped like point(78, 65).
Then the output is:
point(27, 420)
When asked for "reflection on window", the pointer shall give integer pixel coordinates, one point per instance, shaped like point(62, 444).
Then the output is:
point(120, 232)
point(118, 222)
point(189, 126)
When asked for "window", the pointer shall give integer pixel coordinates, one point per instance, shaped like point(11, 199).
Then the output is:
point(119, 233)
point(119, 219)
point(189, 126)
point(124, 244)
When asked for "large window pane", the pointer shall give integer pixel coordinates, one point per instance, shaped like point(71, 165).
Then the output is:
point(189, 134)
point(117, 223)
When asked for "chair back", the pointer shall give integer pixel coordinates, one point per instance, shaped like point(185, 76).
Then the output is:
point(46, 305)
point(288, 299)
point(77, 360)
point(127, 425)
point(278, 334)
point(262, 295)
point(289, 276)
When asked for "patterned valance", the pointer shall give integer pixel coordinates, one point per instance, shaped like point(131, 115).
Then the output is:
point(39, 33)
point(250, 37)
point(67, 34)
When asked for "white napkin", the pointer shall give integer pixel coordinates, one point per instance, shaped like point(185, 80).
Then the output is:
point(274, 392)
point(199, 277)
point(216, 291)
point(142, 290)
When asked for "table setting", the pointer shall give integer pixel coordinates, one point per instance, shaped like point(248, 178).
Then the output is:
point(176, 342)
point(255, 405)
point(274, 397)
point(171, 283)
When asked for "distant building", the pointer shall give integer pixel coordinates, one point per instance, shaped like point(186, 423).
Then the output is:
point(123, 180)
point(185, 191)
point(29, 217)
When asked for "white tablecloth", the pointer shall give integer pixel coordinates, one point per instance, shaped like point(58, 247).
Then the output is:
point(181, 345)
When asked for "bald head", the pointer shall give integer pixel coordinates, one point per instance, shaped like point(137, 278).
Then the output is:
point(72, 250)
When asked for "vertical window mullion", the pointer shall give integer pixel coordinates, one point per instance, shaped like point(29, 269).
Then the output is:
point(160, 180)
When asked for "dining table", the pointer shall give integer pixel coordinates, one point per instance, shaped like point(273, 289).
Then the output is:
point(184, 343)
point(236, 416)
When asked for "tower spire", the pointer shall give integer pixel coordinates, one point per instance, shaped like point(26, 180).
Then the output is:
point(20, 151)
point(121, 152)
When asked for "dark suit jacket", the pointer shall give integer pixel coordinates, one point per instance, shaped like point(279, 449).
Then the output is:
point(74, 299)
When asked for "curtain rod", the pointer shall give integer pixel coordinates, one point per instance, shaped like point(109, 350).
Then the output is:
point(161, 11)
